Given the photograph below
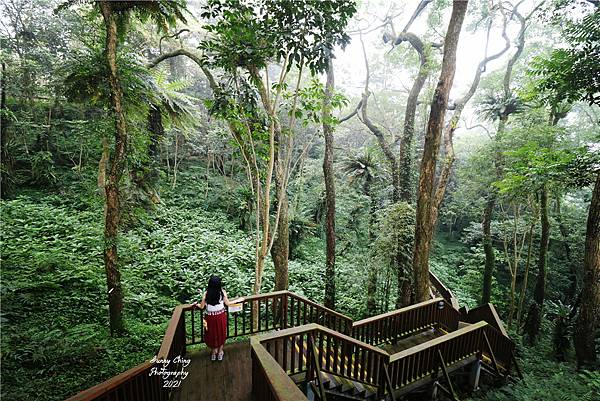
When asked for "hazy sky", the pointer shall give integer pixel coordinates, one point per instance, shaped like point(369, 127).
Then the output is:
point(349, 64)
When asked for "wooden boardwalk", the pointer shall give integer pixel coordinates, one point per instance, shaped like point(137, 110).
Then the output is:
point(229, 380)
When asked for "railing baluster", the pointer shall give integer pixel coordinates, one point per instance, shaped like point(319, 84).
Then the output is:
point(293, 356)
point(267, 314)
point(193, 326)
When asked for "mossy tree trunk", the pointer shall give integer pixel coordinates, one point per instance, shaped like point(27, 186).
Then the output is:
point(328, 175)
point(117, 165)
point(534, 317)
point(424, 216)
point(588, 319)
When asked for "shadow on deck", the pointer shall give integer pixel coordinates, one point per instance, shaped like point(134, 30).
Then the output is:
point(228, 380)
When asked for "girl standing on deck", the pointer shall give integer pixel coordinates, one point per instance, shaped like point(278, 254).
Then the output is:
point(215, 300)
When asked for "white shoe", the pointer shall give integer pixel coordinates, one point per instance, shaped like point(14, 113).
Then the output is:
point(213, 357)
point(220, 356)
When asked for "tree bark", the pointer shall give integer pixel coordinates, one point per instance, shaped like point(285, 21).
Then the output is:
point(405, 170)
point(459, 106)
point(488, 249)
point(588, 319)
point(372, 270)
point(113, 210)
point(102, 165)
point(328, 175)
point(572, 291)
point(424, 221)
point(5, 156)
point(525, 277)
point(534, 318)
point(280, 250)
point(385, 146)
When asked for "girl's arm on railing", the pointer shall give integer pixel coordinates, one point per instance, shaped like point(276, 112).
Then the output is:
point(227, 302)
point(203, 302)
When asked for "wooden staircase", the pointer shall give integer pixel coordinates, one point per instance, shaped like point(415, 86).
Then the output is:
point(301, 350)
point(341, 389)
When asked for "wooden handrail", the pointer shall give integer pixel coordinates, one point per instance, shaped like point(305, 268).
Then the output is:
point(167, 341)
point(393, 325)
point(111, 384)
point(488, 313)
point(445, 338)
point(313, 327)
point(444, 291)
point(174, 340)
point(395, 312)
point(280, 387)
point(324, 308)
point(273, 294)
point(419, 362)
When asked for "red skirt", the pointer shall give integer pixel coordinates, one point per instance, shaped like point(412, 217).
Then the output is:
point(216, 329)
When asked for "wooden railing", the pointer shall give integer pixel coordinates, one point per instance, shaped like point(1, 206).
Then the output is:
point(502, 346)
point(260, 313)
point(267, 312)
point(269, 380)
point(444, 291)
point(141, 383)
point(485, 312)
point(423, 360)
point(337, 352)
point(304, 311)
point(136, 384)
point(357, 361)
point(394, 325)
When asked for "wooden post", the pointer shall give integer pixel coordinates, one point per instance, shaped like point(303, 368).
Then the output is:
point(492, 356)
point(284, 307)
point(317, 367)
point(451, 392)
point(388, 382)
point(475, 374)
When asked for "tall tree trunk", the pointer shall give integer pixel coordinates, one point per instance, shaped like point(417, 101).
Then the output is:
point(5, 156)
point(424, 226)
point(488, 249)
point(113, 210)
point(102, 166)
point(588, 319)
point(405, 171)
point(525, 277)
point(372, 272)
point(280, 250)
point(564, 232)
point(328, 174)
point(534, 318)
point(405, 162)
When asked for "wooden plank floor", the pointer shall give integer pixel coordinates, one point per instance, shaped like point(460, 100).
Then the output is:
point(229, 380)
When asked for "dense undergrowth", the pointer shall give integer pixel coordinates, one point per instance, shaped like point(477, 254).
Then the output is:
point(55, 339)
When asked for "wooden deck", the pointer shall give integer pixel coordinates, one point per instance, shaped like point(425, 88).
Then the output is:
point(229, 380)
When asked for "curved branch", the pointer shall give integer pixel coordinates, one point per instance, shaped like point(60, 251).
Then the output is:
point(352, 114)
point(453, 123)
point(376, 131)
point(417, 12)
point(404, 157)
point(175, 35)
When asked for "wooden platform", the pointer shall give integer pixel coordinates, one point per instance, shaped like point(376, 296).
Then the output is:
point(229, 380)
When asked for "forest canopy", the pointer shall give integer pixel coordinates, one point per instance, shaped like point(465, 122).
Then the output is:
point(341, 149)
